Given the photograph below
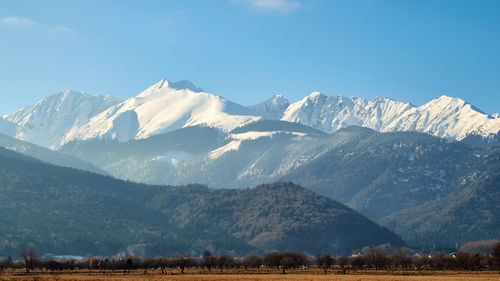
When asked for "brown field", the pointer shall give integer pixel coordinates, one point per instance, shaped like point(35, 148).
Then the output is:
point(251, 276)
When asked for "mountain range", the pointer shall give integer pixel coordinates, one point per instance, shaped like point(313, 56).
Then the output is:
point(406, 167)
point(166, 106)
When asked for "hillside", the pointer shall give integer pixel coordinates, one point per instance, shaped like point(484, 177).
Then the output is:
point(68, 211)
point(376, 174)
point(47, 155)
point(473, 214)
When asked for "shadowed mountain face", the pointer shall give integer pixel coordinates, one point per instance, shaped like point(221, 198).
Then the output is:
point(68, 211)
point(47, 155)
point(377, 174)
point(470, 215)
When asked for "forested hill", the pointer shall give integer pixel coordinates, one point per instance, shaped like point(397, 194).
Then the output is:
point(69, 211)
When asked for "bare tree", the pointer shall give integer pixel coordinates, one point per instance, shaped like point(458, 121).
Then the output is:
point(343, 260)
point(209, 262)
point(224, 261)
point(496, 254)
point(29, 257)
point(325, 262)
point(183, 262)
point(253, 261)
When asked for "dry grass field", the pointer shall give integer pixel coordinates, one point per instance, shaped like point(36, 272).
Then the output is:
point(251, 276)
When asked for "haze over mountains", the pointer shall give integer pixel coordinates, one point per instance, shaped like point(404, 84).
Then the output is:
point(400, 165)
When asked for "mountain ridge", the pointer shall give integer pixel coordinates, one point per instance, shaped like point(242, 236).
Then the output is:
point(167, 106)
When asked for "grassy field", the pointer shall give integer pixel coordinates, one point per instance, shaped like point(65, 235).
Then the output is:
point(250, 276)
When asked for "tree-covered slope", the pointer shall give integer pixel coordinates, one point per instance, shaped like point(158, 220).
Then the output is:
point(472, 214)
point(68, 211)
point(382, 173)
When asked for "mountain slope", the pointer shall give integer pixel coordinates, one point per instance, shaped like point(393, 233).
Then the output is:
point(8, 128)
point(47, 155)
point(153, 160)
point(272, 108)
point(49, 120)
point(473, 214)
point(445, 117)
point(68, 211)
point(159, 109)
point(329, 113)
point(381, 173)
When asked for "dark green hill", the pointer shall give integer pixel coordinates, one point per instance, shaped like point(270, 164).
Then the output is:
point(473, 214)
point(68, 211)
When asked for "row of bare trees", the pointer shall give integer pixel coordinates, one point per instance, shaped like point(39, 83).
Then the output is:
point(374, 259)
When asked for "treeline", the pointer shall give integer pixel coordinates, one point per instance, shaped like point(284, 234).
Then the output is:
point(373, 259)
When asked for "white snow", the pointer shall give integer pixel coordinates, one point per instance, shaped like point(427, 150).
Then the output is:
point(237, 139)
point(9, 128)
point(49, 120)
point(446, 117)
point(329, 113)
point(167, 106)
point(161, 108)
point(272, 108)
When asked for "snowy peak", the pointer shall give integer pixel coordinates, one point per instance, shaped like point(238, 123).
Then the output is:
point(446, 117)
point(165, 84)
point(272, 108)
point(167, 106)
point(47, 121)
point(163, 107)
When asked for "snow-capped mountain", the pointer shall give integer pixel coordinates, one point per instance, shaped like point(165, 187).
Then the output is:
point(166, 106)
point(49, 120)
point(8, 128)
point(445, 117)
point(330, 113)
point(163, 107)
point(272, 108)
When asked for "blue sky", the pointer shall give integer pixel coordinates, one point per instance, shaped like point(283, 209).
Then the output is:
point(248, 50)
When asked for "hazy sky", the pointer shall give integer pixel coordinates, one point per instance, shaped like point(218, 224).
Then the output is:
point(248, 50)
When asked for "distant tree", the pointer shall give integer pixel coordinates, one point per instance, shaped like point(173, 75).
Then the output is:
point(129, 264)
point(358, 262)
point(292, 260)
point(209, 262)
point(272, 259)
point(343, 261)
point(183, 262)
point(5, 264)
point(224, 261)
point(29, 257)
point(325, 262)
point(439, 261)
point(496, 255)
point(253, 261)
point(162, 264)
